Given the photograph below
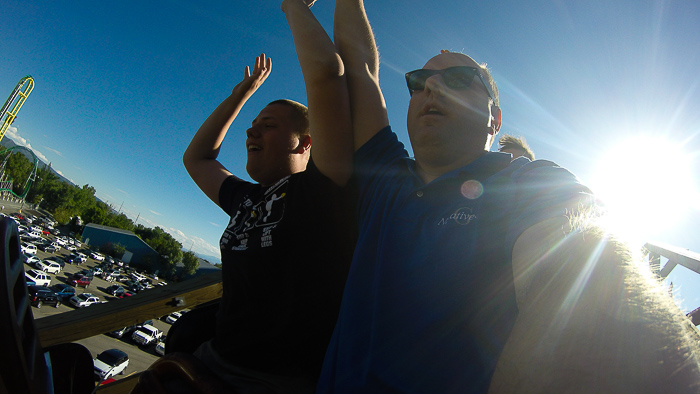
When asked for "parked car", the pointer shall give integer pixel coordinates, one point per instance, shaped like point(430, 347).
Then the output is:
point(146, 335)
point(126, 293)
point(30, 259)
point(172, 318)
point(86, 272)
point(134, 286)
point(70, 247)
point(128, 330)
point(63, 290)
point(49, 247)
point(160, 347)
point(75, 258)
point(58, 260)
point(138, 277)
point(84, 300)
point(49, 266)
point(40, 278)
point(40, 295)
point(115, 290)
point(97, 256)
point(31, 234)
point(80, 281)
point(109, 363)
point(109, 275)
point(28, 247)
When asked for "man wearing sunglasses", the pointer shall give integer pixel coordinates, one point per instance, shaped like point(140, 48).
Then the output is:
point(468, 275)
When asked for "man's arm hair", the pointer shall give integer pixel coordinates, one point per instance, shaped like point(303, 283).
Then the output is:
point(355, 41)
point(200, 157)
point(592, 319)
point(326, 93)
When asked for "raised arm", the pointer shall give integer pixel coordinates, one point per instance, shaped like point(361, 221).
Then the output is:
point(326, 92)
point(355, 41)
point(590, 320)
point(200, 156)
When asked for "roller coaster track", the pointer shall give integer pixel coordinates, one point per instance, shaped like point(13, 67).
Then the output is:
point(6, 184)
point(14, 103)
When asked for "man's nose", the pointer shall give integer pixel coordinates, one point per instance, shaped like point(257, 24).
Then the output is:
point(252, 132)
point(435, 84)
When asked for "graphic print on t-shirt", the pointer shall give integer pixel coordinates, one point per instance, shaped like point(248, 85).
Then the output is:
point(254, 220)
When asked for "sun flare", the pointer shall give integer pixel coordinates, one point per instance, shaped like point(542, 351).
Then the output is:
point(646, 184)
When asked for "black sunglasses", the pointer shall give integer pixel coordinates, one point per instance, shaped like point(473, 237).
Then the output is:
point(459, 77)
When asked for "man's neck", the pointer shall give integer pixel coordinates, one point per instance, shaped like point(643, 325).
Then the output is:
point(429, 173)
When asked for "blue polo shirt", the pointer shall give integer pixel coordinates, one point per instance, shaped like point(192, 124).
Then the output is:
point(429, 301)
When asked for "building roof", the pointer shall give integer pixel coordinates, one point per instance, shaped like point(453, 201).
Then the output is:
point(112, 229)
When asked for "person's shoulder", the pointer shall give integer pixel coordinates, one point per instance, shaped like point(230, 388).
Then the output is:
point(232, 187)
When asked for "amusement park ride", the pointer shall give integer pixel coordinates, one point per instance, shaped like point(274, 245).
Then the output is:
point(8, 113)
point(17, 98)
point(29, 345)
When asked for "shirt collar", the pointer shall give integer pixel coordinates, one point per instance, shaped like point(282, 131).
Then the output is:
point(480, 169)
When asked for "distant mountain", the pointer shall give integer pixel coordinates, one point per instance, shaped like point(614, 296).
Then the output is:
point(9, 143)
point(210, 259)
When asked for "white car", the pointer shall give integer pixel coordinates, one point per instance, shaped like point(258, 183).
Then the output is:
point(39, 277)
point(97, 256)
point(30, 259)
point(146, 335)
point(137, 277)
point(172, 318)
point(33, 234)
point(83, 300)
point(70, 247)
point(49, 266)
point(109, 363)
point(28, 247)
point(160, 348)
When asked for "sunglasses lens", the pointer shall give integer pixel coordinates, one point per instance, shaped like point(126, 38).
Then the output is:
point(459, 77)
point(416, 80)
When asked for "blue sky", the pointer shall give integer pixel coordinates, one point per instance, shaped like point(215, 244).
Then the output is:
point(606, 89)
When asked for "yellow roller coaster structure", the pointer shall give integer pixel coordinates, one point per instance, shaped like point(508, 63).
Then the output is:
point(16, 99)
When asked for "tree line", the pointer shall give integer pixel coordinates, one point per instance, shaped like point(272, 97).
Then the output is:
point(65, 201)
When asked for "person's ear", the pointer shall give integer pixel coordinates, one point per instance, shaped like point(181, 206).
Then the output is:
point(304, 144)
point(495, 121)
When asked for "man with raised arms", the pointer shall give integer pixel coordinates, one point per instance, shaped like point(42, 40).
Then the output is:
point(287, 247)
point(471, 272)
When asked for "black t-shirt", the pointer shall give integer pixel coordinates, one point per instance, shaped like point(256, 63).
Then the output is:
point(286, 253)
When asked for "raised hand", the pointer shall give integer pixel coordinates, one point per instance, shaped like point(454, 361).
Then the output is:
point(251, 82)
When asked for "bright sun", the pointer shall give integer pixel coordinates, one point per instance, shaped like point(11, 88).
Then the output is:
point(647, 185)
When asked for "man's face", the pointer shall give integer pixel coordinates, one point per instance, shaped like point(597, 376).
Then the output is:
point(271, 145)
point(449, 126)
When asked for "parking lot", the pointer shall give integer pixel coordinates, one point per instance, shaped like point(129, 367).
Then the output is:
point(139, 357)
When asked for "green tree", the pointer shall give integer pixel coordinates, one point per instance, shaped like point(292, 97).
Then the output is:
point(191, 263)
point(168, 248)
point(18, 167)
point(95, 214)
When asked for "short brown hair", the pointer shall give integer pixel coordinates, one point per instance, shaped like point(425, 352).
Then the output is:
point(299, 114)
